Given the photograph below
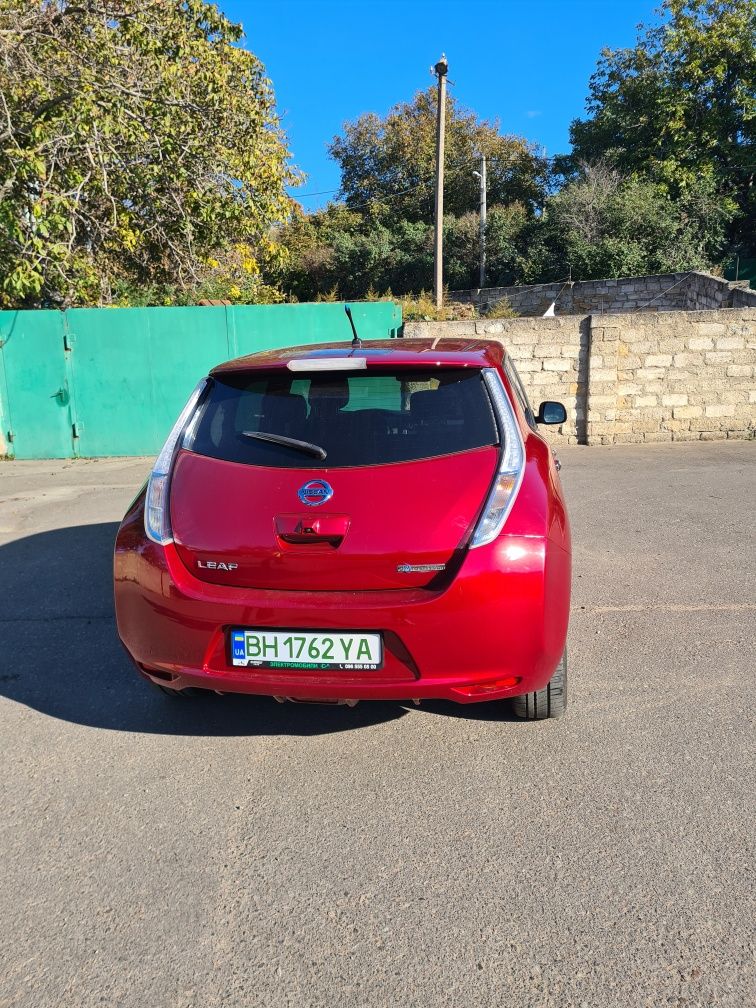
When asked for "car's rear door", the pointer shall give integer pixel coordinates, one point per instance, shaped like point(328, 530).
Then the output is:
point(409, 460)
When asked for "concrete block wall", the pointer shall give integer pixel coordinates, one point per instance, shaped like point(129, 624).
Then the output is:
point(660, 292)
point(681, 376)
point(742, 296)
point(633, 378)
point(551, 356)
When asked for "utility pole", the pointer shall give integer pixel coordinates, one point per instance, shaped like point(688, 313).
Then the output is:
point(440, 70)
point(483, 212)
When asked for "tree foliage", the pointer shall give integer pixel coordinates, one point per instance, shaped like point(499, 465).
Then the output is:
point(681, 105)
point(660, 178)
point(602, 224)
point(141, 161)
point(139, 151)
point(391, 160)
point(356, 252)
point(353, 252)
point(381, 237)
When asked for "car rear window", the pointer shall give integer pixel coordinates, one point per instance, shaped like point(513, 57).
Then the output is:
point(359, 419)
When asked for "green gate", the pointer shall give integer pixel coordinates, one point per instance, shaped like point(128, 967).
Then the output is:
point(110, 381)
point(741, 268)
point(35, 385)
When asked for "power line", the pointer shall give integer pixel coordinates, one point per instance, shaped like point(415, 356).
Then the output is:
point(547, 283)
point(494, 159)
point(663, 292)
point(323, 192)
point(389, 196)
point(461, 164)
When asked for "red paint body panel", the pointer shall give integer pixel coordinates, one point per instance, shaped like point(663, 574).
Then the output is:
point(409, 353)
point(410, 512)
point(500, 612)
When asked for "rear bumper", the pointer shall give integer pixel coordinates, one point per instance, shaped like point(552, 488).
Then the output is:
point(299, 688)
point(498, 630)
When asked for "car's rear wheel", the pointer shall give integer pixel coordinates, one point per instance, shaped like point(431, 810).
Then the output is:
point(549, 702)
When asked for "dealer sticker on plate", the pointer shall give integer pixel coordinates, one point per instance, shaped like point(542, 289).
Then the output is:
point(305, 649)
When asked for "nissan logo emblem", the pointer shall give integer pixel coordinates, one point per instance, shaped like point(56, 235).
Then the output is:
point(315, 492)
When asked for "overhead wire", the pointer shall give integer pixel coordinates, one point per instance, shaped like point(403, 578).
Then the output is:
point(323, 192)
point(665, 292)
point(428, 182)
point(402, 192)
point(730, 170)
point(548, 283)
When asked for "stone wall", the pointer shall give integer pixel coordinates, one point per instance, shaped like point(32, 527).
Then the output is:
point(551, 356)
point(646, 377)
point(742, 297)
point(662, 292)
point(683, 376)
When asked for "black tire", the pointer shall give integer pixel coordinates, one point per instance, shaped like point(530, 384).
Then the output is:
point(549, 702)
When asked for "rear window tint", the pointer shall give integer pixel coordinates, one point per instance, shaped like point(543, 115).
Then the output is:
point(359, 419)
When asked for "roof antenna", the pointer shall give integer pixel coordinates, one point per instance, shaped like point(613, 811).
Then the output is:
point(356, 342)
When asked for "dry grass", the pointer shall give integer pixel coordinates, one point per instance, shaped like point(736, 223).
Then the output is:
point(422, 308)
point(499, 310)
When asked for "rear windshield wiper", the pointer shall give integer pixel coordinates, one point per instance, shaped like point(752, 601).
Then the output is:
point(303, 446)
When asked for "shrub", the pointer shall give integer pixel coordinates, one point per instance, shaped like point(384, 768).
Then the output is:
point(501, 309)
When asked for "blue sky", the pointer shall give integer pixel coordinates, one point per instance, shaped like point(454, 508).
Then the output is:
point(524, 63)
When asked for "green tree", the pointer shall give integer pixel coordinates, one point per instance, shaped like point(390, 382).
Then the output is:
point(392, 160)
point(371, 250)
point(139, 151)
point(353, 252)
point(381, 237)
point(506, 229)
point(681, 105)
point(603, 225)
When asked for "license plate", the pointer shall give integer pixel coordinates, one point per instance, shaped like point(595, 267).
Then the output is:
point(306, 649)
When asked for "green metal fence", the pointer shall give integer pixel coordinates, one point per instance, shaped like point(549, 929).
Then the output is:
point(741, 268)
point(111, 381)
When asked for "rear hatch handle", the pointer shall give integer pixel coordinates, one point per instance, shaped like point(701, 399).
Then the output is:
point(308, 531)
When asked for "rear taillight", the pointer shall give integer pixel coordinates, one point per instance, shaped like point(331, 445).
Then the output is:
point(157, 518)
point(509, 475)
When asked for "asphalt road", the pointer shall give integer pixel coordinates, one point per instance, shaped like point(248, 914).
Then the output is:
point(237, 852)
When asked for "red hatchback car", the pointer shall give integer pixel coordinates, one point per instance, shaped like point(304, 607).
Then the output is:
point(350, 522)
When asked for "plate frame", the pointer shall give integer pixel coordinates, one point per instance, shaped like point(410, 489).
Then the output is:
point(329, 632)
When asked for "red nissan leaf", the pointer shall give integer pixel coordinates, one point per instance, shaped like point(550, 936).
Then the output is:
point(345, 522)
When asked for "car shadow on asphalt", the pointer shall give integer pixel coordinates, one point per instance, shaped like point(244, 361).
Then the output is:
point(60, 654)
